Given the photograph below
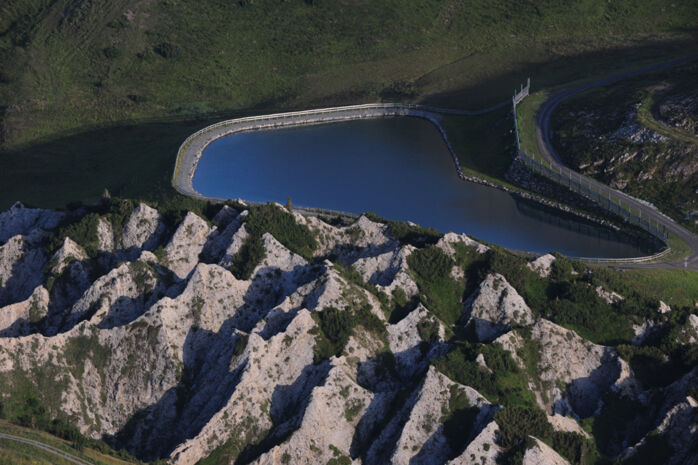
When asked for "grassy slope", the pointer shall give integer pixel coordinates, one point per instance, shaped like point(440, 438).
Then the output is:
point(12, 452)
point(83, 77)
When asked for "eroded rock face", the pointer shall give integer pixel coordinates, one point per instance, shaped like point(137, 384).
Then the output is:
point(143, 229)
point(21, 269)
point(542, 454)
point(188, 241)
point(585, 369)
point(542, 265)
point(167, 354)
point(495, 308)
point(20, 220)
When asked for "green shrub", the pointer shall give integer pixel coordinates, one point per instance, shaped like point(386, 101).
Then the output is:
point(515, 423)
point(248, 257)
point(167, 50)
point(334, 328)
point(83, 232)
point(439, 292)
point(112, 52)
point(282, 225)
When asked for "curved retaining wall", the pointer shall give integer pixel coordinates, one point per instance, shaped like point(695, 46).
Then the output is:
point(193, 147)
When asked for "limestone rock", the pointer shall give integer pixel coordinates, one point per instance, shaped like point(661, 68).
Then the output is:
point(20, 220)
point(609, 297)
point(68, 252)
point(542, 265)
point(495, 307)
point(447, 241)
point(105, 236)
point(21, 270)
point(183, 250)
point(17, 319)
point(143, 229)
point(542, 454)
point(482, 450)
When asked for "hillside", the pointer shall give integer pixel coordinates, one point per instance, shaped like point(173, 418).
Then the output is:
point(234, 334)
point(638, 136)
point(84, 84)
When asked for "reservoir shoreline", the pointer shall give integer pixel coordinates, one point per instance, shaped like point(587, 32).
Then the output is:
point(194, 146)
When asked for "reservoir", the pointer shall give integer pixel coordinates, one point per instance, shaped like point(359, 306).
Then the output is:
point(399, 168)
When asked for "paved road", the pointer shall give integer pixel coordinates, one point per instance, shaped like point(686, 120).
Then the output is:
point(545, 146)
point(40, 445)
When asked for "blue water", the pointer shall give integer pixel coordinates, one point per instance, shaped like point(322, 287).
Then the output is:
point(399, 168)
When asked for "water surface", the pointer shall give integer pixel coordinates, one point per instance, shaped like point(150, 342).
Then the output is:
point(399, 168)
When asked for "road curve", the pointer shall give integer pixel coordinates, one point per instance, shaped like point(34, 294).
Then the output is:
point(545, 146)
point(40, 445)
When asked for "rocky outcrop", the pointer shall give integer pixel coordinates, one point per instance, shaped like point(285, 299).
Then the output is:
point(449, 239)
point(585, 369)
point(182, 252)
point(542, 265)
point(495, 308)
point(482, 450)
point(164, 352)
point(18, 319)
point(20, 220)
point(542, 454)
point(68, 252)
point(143, 229)
point(21, 269)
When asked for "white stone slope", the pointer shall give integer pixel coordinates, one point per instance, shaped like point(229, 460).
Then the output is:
point(679, 428)
point(585, 369)
point(415, 433)
point(482, 450)
point(21, 269)
point(542, 454)
point(388, 271)
point(447, 241)
point(334, 410)
point(182, 252)
point(278, 361)
point(16, 319)
point(20, 220)
point(143, 230)
point(67, 253)
point(495, 307)
point(542, 265)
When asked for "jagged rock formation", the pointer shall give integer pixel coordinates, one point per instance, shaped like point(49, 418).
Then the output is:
point(156, 345)
point(542, 454)
point(495, 308)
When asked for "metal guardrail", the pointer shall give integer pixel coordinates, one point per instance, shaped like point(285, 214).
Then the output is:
point(585, 187)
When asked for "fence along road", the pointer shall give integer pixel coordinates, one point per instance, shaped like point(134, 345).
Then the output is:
point(645, 210)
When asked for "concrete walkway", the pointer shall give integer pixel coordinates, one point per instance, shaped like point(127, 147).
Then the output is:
point(40, 445)
point(545, 146)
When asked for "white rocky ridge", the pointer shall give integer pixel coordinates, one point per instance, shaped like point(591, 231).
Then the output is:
point(585, 369)
point(143, 229)
point(495, 307)
point(68, 252)
point(155, 345)
point(542, 454)
point(20, 220)
point(542, 265)
point(182, 252)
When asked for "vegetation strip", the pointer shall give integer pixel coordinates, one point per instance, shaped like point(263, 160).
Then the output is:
point(60, 453)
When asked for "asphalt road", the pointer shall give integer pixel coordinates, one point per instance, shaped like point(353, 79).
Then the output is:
point(40, 445)
point(545, 146)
